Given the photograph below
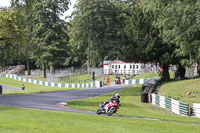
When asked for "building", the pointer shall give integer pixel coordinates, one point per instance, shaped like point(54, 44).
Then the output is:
point(120, 67)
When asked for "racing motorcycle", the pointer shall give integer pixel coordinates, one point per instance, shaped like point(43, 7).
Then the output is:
point(109, 108)
point(117, 81)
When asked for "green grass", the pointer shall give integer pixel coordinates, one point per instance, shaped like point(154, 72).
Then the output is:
point(75, 79)
point(131, 106)
point(88, 76)
point(78, 77)
point(150, 75)
point(178, 90)
point(146, 75)
point(40, 79)
point(29, 88)
point(82, 77)
point(19, 120)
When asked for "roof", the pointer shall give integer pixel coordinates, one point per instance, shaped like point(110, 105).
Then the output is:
point(117, 61)
point(121, 62)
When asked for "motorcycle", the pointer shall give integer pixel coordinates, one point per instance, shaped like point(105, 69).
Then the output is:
point(117, 81)
point(109, 108)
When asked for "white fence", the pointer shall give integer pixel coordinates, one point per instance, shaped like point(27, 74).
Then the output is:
point(53, 84)
point(170, 104)
point(196, 109)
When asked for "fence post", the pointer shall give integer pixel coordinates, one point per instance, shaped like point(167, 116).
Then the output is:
point(149, 98)
point(1, 89)
point(190, 111)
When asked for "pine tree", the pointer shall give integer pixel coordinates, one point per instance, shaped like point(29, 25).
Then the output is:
point(49, 34)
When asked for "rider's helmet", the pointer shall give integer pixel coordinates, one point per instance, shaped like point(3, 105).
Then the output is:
point(117, 95)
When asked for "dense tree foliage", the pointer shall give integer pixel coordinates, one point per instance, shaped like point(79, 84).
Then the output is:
point(25, 7)
point(46, 34)
point(49, 33)
point(163, 32)
point(157, 31)
point(180, 23)
point(11, 35)
point(96, 31)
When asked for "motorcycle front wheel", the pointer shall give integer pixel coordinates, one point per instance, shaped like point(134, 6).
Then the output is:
point(111, 111)
point(98, 111)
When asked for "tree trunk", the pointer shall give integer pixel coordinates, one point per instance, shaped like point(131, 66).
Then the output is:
point(52, 70)
point(165, 74)
point(89, 43)
point(44, 68)
point(182, 71)
point(28, 67)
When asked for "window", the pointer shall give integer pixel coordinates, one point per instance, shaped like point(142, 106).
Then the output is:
point(124, 66)
point(137, 67)
point(130, 66)
point(133, 66)
point(112, 66)
point(115, 66)
point(119, 67)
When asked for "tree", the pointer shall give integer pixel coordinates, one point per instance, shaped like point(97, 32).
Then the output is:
point(49, 34)
point(145, 41)
point(11, 35)
point(96, 31)
point(25, 7)
point(180, 22)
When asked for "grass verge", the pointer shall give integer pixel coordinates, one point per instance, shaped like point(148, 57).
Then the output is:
point(179, 90)
point(146, 75)
point(151, 75)
point(76, 79)
point(29, 88)
point(19, 120)
point(132, 106)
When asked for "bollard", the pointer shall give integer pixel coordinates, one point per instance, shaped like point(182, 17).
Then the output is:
point(101, 85)
point(93, 76)
point(23, 87)
point(1, 89)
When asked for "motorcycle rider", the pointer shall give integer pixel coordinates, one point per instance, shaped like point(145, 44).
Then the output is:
point(117, 79)
point(116, 97)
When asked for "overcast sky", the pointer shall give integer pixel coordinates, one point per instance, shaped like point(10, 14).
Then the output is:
point(4, 3)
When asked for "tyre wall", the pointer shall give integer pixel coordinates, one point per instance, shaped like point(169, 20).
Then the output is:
point(170, 104)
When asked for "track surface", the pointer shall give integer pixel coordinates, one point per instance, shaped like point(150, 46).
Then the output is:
point(49, 100)
point(52, 100)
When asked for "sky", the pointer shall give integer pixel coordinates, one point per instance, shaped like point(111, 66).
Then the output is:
point(4, 3)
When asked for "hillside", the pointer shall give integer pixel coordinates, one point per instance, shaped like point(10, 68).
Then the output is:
point(185, 90)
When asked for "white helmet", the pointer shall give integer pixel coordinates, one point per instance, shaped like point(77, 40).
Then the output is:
point(117, 95)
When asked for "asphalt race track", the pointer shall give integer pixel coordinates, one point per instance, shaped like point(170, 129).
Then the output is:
point(50, 100)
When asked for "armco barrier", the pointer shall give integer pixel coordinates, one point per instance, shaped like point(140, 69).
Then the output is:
point(171, 104)
point(196, 109)
point(52, 84)
point(136, 81)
